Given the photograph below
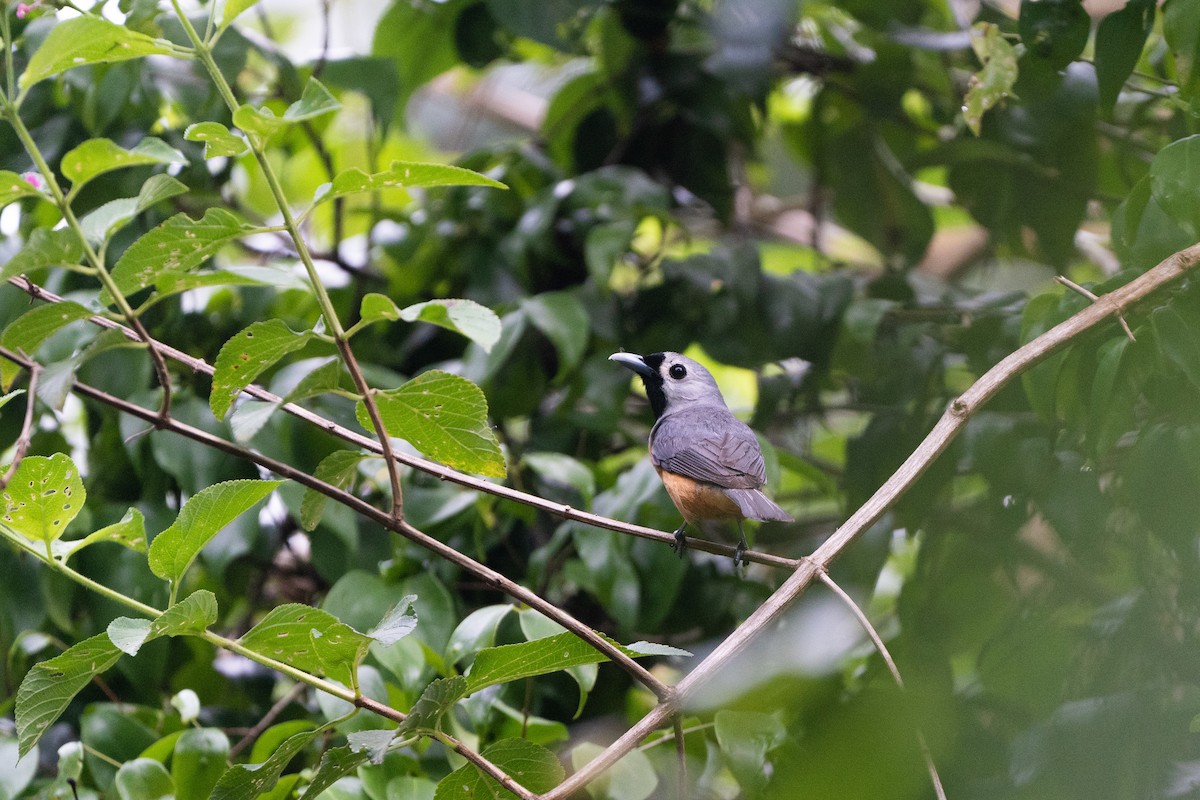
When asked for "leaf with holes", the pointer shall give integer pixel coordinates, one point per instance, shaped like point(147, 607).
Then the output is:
point(310, 639)
point(48, 688)
point(178, 245)
point(246, 355)
point(99, 225)
point(201, 518)
point(248, 781)
point(402, 175)
point(88, 40)
point(26, 333)
point(992, 84)
point(98, 156)
point(338, 468)
point(474, 321)
point(44, 249)
point(373, 744)
point(218, 140)
point(43, 497)
point(445, 417)
point(531, 765)
point(13, 187)
point(129, 532)
point(436, 700)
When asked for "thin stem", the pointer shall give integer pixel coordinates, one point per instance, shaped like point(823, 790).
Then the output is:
point(7, 43)
point(26, 426)
point(328, 312)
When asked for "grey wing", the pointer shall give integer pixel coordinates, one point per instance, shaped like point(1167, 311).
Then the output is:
point(708, 444)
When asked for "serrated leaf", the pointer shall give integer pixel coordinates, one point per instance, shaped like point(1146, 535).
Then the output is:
point(178, 245)
point(436, 700)
point(109, 218)
point(994, 82)
point(373, 744)
point(87, 40)
point(398, 622)
point(45, 248)
point(44, 495)
point(474, 321)
point(445, 417)
point(310, 639)
point(129, 532)
point(643, 648)
point(189, 616)
point(233, 8)
point(201, 518)
point(50, 685)
point(249, 418)
point(14, 187)
point(97, 156)
point(314, 102)
point(246, 355)
point(531, 765)
point(218, 140)
point(563, 319)
point(26, 333)
point(338, 468)
point(336, 763)
point(401, 175)
point(248, 781)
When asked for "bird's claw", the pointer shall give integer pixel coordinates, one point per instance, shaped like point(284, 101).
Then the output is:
point(680, 543)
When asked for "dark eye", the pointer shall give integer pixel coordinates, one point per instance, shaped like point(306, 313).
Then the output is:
point(677, 371)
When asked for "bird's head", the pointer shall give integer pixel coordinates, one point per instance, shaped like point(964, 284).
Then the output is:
point(673, 381)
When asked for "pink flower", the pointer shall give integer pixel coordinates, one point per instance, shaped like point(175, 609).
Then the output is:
point(34, 180)
point(22, 10)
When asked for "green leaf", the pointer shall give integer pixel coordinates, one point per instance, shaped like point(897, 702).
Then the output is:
point(128, 634)
point(248, 781)
point(43, 497)
point(129, 532)
point(563, 319)
point(1181, 30)
point(402, 175)
point(98, 156)
point(336, 763)
point(1173, 175)
point(218, 140)
point(476, 631)
point(26, 333)
point(562, 470)
point(198, 761)
point(746, 737)
point(45, 248)
point(531, 765)
point(189, 616)
point(14, 187)
point(18, 772)
point(201, 518)
point(49, 686)
point(315, 101)
point(995, 81)
point(631, 778)
point(474, 321)
point(445, 417)
point(4, 399)
point(246, 355)
point(109, 218)
point(1178, 341)
point(144, 779)
point(257, 123)
point(373, 744)
point(398, 622)
point(436, 700)
point(1120, 38)
point(178, 245)
point(310, 639)
point(233, 8)
point(1054, 30)
point(170, 283)
point(87, 40)
point(338, 468)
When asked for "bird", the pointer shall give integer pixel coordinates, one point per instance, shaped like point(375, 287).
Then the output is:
point(709, 460)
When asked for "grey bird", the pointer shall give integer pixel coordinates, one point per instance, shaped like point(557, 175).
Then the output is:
point(709, 460)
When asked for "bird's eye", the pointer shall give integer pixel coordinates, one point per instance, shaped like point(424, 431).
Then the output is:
point(677, 371)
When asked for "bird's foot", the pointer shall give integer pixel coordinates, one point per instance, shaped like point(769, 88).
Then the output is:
point(739, 554)
point(680, 543)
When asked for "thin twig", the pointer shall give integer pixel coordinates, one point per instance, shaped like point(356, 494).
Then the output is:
point(681, 775)
point(26, 425)
point(1072, 285)
point(274, 711)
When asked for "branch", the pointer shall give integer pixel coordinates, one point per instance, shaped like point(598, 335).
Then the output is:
point(26, 426)
point(934, 444)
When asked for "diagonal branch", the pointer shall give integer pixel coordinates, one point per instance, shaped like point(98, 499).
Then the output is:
point(934, 444)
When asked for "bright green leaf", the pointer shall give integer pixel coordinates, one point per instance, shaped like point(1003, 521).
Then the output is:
point(198, 761)
point(257, 123)
point(109, 218)
point(476, 631)
point(338, 468)
point(190, 616)
point(45, 248)
point(445, 417)
point(233, 8)
point(4, 399)
point(336, 763)
point(43, 497)
point(144, 779)
point(402, 175)
point(565, 322)
point(49, 686)
point(533, 766)
point(128, 634)
point(218, 140)
point(310, 639)
point(478, 323)
point(248, 781)
point(994, 82)
point(26, 333)
point(129, 532)
point(14, 187)
point(436, 700)
point(201, 518)
point(246, 355)
point(314, 102)
point(87, 40)
point(179, 244)
point(170, 283)
point(98, 156)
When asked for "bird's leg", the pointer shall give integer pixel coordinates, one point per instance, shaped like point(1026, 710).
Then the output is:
point(739, 559)
point(680, 543)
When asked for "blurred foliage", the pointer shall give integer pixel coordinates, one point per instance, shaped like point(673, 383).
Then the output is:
point(849, 209)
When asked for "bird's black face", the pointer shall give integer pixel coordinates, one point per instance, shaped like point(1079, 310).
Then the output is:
point(672, 380)
point(653, 380)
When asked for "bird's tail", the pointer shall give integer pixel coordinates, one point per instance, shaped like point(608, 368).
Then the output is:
point(756, 505)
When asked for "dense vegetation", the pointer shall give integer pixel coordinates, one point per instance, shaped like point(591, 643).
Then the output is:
point(850, 210)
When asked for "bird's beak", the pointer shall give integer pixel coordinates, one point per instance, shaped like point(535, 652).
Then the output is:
point(632, 361)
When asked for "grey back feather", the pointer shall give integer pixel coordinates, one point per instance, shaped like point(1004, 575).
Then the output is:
point(708, 443)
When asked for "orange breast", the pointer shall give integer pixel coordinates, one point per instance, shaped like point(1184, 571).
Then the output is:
point(697, 500)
